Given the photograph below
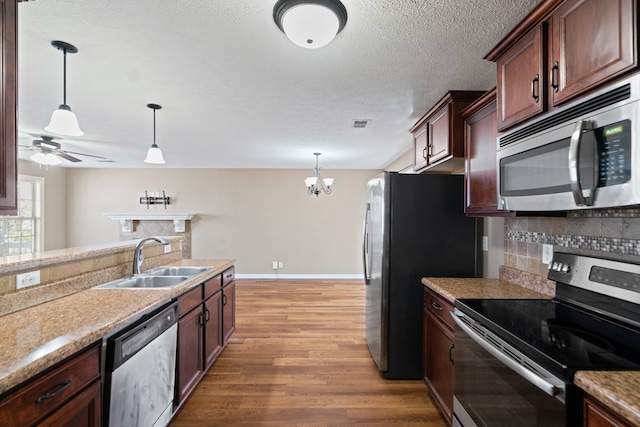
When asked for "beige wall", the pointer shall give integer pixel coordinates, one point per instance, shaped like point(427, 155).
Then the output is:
point(255, 216)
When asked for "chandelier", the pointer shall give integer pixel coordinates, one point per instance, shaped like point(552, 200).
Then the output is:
point(315, 184)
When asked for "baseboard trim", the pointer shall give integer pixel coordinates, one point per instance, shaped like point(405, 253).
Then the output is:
point(301, 276)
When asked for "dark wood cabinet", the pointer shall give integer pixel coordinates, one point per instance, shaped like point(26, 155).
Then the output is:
point(595, 414)
point(8, 107)
point(206, 320)
point(480, 139)
point(66, 395)
point(437, 352)
point(562, 50)
point(438, 136)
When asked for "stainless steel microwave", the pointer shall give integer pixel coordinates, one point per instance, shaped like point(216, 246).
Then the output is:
point(584, 155)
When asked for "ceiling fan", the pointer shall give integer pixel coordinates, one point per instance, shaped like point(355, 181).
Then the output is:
point(46, 145)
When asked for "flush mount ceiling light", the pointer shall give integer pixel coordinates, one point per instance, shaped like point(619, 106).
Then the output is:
point(63, 121)
point(154, 155)
point(315, 184)
point(310, 23)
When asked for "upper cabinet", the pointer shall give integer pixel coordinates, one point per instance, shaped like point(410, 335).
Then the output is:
point(560, 51)
point(438, 142)
point(8, 107)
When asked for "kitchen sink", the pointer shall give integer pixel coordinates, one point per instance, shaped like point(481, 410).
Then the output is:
point(177, 271)
point(145, 282)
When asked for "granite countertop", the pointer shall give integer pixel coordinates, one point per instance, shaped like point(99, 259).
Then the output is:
point(36, 338)
point(452, 288)
point(619, 391)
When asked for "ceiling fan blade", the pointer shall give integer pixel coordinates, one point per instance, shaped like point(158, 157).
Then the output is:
point(83, 154)
point(67, 156)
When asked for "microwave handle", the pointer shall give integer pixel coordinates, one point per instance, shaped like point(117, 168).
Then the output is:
point(574, 165)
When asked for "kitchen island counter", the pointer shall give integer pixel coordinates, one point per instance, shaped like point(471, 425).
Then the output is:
point(36, 338)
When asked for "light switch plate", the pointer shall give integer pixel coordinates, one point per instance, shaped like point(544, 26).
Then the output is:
point(25, 280)
point(547, 253)
point(167, 249)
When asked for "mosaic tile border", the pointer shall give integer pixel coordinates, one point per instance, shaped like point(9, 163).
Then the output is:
point(615, 245)
point(605, 213)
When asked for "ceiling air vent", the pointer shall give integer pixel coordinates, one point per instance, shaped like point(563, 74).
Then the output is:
point(360, 124)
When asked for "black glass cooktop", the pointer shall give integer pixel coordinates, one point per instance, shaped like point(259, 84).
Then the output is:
point(562, 338)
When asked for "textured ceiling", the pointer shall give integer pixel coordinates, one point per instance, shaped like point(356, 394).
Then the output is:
point(235, 92)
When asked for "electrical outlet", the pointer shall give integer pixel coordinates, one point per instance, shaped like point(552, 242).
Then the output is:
point(280, 264)
point(274, 265)
point(167, 249)
point(27, 279)
point(485, 243)
point(547, 253)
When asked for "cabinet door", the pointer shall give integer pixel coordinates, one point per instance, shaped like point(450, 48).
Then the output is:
point(8, 107)
point(520, 80)
point(420, 147)
point(84, 410)
point(438, 145)
point(593, 40)
point(438, 365)
point(189, 366)
point(228, 311)
point(213, 328)
point(596, 415)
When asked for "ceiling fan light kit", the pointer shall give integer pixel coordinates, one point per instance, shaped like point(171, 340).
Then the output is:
point(63, 121)
point(46, 159)
point(154, 154)
point(310, 23)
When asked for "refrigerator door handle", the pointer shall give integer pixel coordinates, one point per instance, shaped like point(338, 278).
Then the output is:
point(365, 244)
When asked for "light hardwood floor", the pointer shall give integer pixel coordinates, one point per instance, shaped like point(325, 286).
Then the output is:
point(299, 358)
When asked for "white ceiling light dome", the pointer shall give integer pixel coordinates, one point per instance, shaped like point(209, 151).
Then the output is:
point(310, 23)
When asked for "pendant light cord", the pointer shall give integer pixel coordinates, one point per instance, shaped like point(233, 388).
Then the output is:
point(64, 77)
point(154, 127)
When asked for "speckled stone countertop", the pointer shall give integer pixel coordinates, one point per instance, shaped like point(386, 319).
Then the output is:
point(452, 288)
point(36, 338)
point(619, 391)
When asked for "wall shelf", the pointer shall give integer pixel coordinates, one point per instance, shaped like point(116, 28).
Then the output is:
point(126, 219)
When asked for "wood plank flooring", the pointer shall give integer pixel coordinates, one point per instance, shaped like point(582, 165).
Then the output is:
point(299, 358)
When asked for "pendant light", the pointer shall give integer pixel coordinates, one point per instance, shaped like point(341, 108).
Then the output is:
point(310, 23)
point(154, 155)
point(315, 184)
point(63, 121)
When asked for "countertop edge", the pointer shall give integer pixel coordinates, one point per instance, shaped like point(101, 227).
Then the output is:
point(617, 390)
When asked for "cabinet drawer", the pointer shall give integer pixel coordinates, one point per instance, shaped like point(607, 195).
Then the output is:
point(47, 393)
point(228, 276)
point(439, 307)
point(189, 300)
point(212, 286)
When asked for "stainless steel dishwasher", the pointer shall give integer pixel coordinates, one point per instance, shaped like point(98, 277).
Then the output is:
point(139, 370)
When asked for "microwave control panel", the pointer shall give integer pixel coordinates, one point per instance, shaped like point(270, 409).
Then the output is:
point(614, 153)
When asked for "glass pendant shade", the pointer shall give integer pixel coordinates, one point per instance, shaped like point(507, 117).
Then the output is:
point(154, 155)
point(328, 182)
point(47, 159)
point(311, 181)
point(64, 122)
point(310, 26)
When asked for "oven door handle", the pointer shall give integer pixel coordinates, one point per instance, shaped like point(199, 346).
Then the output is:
point(530, 376)
point(574, 165)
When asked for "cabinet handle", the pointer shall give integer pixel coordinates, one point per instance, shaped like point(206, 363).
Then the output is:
point(201, 319)
point(46, 396)
point(553, 76)
point(451, 347)
point(535, 88)
point(207, 315)
point(228, 276)
point(424, 153)
point(436, 306)
point(224, 299)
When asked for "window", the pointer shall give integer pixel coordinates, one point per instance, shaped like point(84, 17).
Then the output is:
point(22, 234)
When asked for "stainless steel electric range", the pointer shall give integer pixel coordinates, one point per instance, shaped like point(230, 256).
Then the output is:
point(515, 359)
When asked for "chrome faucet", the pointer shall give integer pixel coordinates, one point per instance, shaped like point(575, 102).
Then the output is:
point(137, 255)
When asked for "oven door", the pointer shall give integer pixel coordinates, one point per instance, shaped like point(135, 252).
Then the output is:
point(497, 386)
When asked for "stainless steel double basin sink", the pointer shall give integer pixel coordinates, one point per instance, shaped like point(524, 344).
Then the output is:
point(157, 278)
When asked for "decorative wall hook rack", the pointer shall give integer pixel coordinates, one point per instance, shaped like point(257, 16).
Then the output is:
point(155, 199)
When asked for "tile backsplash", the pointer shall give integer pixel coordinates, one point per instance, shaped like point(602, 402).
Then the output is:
point(607, 233)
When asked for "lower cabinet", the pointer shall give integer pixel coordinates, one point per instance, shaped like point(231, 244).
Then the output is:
point(595, 414)
point(437, 352)
point(206, 320)
point(67, 395)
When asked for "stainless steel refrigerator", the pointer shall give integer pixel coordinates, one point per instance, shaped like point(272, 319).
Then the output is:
point(414, 227)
